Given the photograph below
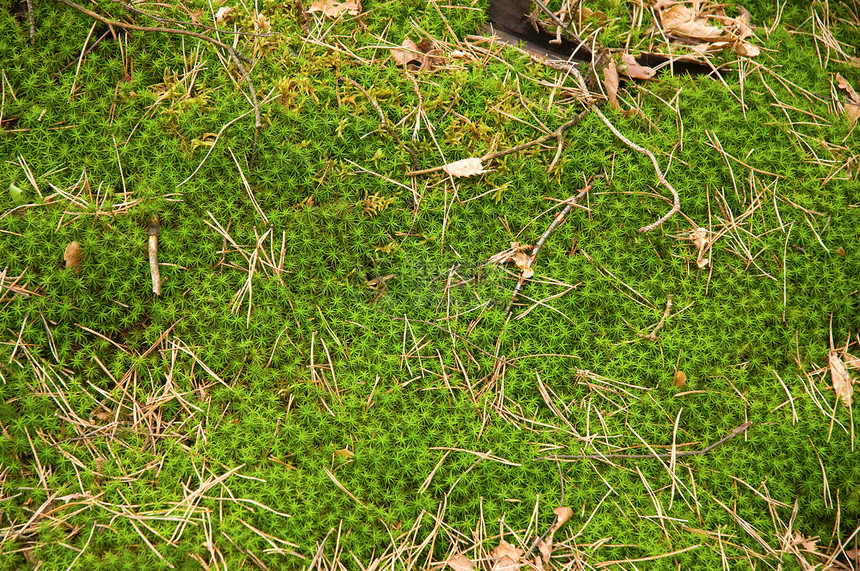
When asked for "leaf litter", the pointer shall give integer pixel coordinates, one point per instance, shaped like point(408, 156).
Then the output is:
point(705, 27)
point(424, 54)
point(506, 557)
point(852, 103)
point(73, 256)
point(701, 241)
point(843, 382)
point(334, 9)
point(517, 255)
point(465, 167)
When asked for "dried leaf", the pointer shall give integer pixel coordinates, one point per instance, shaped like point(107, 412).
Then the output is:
point(843, 384)
point(545, 552)
point(634, 70)
point(422, 53)
point(586, 13)
point(73, 256)
point(262, 25)
point(222, 14)
point(334, 9)
point(746, 49)
point(379, 283)
point(808, 543)
point(343, 453)
point(507, 256)
point(460, 563)
point(523, 262)
point(683, 21)
point(852, 103)
point(426, 46)
point(610, 82)
point(699, 236)
point(103, 415)
point(506, 557)
point(698, 29)
point(741, 27)
point(464, 167)
point(851, 361)
point(407, 52)
point(563, 514)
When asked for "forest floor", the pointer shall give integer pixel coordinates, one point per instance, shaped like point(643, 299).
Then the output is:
point(338, 286)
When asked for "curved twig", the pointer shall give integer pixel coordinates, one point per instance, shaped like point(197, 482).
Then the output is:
point(676, 200)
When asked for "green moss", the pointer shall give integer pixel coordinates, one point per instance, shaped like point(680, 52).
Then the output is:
point(402, 375)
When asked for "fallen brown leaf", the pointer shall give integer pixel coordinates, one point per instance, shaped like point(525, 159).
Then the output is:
point(506, 557)
point(545, 549)
point(262, 25)
point(523, 262)
point(808, 543)
point(699, 236)
point(563, 514)
point(222, 14)
point(516, 254)
point(103, 415)
point(843, 384)
point(407, 52)
point(460, 563)
point(684, 21)
point(743, 48)
point(333, 8)
point(634, 70)
point(464, 167)
point(610, 82)
point(690, 24)
point(585, 13)
point(424, 53)
point(74, 257)
point(852, 103)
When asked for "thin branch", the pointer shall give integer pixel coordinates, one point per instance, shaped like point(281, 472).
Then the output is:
point(676, 200)
point(184, 23)
point(137, 28)
point(564, 27)
point(653, 335)
point(567, 458)
point(557, 134)
point(32, 21)
point(571, 202)
point(153, 230)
